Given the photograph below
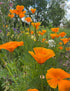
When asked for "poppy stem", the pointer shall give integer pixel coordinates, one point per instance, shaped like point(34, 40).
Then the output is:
point(41, 77)
point(52, 89)
point(5, 64)
point(10, 56)
point(29, 29)
point(11, 74)
point(36, 35)
point(24, 27)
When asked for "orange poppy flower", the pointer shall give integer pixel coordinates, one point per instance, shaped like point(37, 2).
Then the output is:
point(42, 54)
point(60, 47)
point(62, 34)
point(53, 35)
point(24, 12)
point(64, 85)
point(65, 40)
point(55, 29)
point(32, 90)
point(10, 46)
point(6, 26)
point(17, 12)
point(60, 43)
point(11, 15)
point(32, 32)
point(67, 48)
point(39, 32)
point(43, 39)
point(56, 77)
point(69, 38)
point(33, 10)
point(33, 24)
point(19, 7)
point(57, 35)
point(28, 19)
point(37, 24)
point(44, 31)
point(12, 11)
point(21, 15)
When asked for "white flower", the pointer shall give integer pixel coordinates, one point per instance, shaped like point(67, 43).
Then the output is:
point(51, 43)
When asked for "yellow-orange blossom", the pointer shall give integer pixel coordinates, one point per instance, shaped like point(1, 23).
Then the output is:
point(57, 77)
point(33, 10)
point(42, 54)
point(10, 46)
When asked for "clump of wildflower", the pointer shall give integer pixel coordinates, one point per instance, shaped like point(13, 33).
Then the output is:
point(65, 40)
point(42, 33)
point(55, 29)
point(36, 25)
point(62, 34)
point(18, 11)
